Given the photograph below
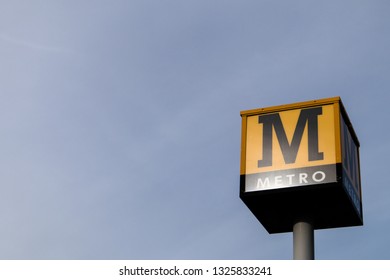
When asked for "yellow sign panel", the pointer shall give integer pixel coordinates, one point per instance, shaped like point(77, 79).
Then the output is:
point(292, 140)
point(285, 153)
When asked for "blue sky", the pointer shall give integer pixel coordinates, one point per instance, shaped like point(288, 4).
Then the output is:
point(120, 122)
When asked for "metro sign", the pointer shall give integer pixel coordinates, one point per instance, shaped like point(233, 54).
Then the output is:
point(300, 160)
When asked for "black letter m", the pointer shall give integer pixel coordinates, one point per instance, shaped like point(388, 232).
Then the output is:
point(290, 150)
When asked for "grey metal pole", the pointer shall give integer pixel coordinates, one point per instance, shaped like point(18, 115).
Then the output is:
point(303, 235)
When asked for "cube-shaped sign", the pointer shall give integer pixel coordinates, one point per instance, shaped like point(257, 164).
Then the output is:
point(301, 161)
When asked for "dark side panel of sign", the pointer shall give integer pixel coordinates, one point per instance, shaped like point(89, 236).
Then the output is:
point(350, 167)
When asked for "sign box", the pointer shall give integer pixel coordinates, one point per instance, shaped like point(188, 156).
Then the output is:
point(301, 161)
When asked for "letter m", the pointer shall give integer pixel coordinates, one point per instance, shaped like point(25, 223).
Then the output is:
point(290, 150)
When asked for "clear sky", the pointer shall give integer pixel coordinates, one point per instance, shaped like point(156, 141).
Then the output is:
point(120, 122)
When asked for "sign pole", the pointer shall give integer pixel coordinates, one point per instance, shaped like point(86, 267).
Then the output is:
point(303, 239)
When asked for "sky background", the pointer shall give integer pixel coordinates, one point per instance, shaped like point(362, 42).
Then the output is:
point(120, 122)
